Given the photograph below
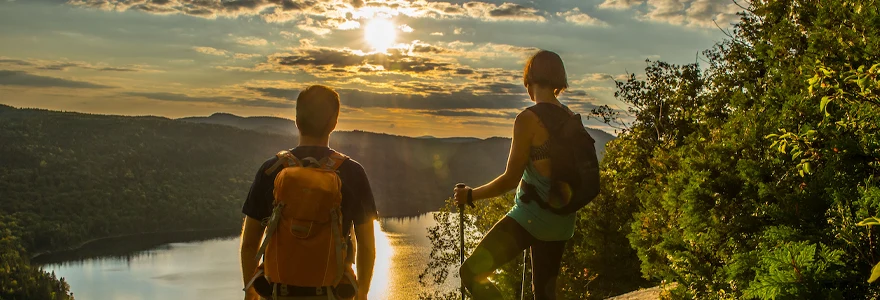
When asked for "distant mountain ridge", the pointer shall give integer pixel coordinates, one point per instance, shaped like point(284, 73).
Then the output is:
point(262, 124)
point(287, 126)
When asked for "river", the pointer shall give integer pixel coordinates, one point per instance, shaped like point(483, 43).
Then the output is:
point(209, 269)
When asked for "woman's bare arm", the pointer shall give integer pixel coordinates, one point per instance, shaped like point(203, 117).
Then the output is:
point(516, 160)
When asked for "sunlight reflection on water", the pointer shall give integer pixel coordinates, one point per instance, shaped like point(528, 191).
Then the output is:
point(210, 269)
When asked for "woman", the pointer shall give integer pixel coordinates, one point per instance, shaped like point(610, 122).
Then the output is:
point(527, 225)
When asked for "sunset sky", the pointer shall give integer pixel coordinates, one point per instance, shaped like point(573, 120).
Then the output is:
point(403, 67)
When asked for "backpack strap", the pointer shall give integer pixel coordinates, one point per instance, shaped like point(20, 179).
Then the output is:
point(551, 116)
point(286, 159)
point(334, 161)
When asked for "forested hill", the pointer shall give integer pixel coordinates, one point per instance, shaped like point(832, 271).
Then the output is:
point(70, 177)
point(287, 127)
point(77, 176)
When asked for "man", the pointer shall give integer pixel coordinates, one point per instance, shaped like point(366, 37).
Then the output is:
point(317, 112)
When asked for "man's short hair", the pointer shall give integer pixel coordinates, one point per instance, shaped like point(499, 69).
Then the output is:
point(317, 107)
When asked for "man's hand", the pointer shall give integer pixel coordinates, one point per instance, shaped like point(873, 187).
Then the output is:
point(251, 294)
point(251, 234)
point(366, 256)
point(361, 295)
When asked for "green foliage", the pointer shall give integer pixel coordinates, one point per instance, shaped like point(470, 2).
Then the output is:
point(598, 260)
point(20, 280)
point(753, 175)
point(445, 248)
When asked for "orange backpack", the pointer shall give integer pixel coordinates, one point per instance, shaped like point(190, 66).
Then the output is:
point(303, 244)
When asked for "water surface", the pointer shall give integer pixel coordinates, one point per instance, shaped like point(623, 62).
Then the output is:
point(209, 269)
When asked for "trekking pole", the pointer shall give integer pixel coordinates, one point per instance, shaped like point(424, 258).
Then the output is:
point(461, 238)
point(522, 295)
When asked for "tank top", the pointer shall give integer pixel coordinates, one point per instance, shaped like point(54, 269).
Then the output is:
point(542, 224)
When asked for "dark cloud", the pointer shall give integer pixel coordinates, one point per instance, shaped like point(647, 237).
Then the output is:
point(235, 5)
point(275, 92)
point(270, 9)
point(512, 10)
point(21, 78)
point(454, 100)
point(329, 58)
point(437, 101)
point(16, 62)
point(471, 113)
point(289, 5)
point(501, 88)
point(175, 97)
point(486, 123)
point(114, 69)
point(425, 48)
point(61, 65)
point(320, 57)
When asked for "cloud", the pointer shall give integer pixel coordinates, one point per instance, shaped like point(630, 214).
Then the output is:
point(245, 56)
point(224, 53)
point(457, 100)
point(503, 12)
point(16, 62)
point(288, 10)
point(593, 77)
point(621, 4)
point(211, 51)
point(227, 100)
point(64, 65)
point(486, 123)
point(488, 50)
point(313, 26)
point(330, 60)
point(115, 69)
point(692, 13)
point(349, 25)
point(276, 92)
point(21, 78)
point(437, 33)
point(289, 35)
point(472, 113)
point(575, 16)
point(251, 41)
point(405, 28)
point(58, 66)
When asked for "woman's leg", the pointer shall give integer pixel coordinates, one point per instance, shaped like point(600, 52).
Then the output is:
point(503, 243)
point(546, 258)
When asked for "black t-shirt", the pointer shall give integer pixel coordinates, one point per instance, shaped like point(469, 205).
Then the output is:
point(358, 205)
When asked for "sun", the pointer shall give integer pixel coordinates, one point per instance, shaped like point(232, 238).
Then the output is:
point(380, 33)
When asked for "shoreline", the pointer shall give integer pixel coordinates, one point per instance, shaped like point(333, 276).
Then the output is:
point(153, 238)
point(86, 248)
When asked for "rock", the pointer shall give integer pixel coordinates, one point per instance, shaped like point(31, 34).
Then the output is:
point(645, 294)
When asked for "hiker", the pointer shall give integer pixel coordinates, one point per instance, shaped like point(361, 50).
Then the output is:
point(306, 199)
point(535, 222)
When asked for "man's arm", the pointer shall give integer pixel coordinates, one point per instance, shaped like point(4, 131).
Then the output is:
point(366, 257)
point(251, 236)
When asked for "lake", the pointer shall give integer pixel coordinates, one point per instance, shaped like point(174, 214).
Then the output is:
point(209, 269)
